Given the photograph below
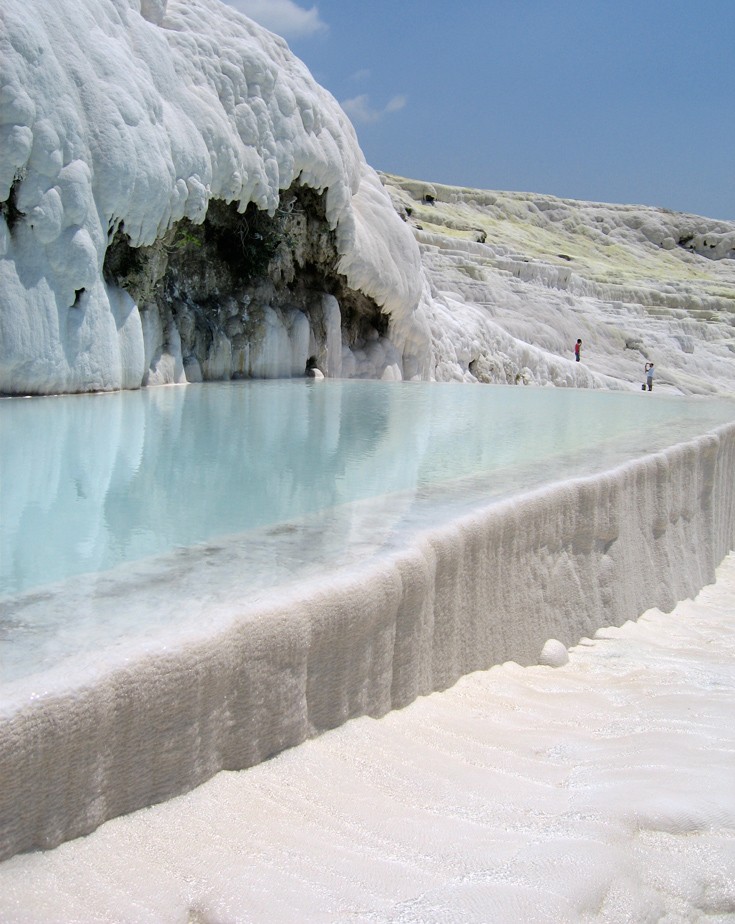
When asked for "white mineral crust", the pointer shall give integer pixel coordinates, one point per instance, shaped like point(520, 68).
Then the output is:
point(598, 792)
point(117, 114)
point(112, 114)
point(137, 114)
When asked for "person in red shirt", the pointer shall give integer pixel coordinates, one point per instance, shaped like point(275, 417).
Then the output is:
point(577, 349)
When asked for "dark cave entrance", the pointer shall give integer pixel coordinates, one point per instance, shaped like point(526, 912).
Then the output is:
point(201, 275)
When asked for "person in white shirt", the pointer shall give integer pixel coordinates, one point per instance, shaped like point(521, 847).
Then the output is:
point(649, 376)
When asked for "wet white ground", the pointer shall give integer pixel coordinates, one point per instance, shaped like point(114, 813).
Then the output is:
point(603, 790)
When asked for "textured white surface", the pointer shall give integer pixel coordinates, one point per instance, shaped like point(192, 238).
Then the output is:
point(514, 279)
point(600, 791)
point(110, 115)
point(490, 587)
point(116, 113)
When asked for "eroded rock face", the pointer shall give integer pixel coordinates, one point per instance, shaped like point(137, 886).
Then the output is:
point(245, 294)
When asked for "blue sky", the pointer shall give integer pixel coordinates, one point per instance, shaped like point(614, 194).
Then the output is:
point(628, 101)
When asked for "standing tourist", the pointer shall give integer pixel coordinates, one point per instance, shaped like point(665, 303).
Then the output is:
point(577, 349)
point(649, 376)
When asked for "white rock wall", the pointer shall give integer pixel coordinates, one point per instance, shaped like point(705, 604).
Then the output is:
point(115, 114)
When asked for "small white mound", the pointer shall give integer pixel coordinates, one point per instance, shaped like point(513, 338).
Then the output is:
point(554, 654)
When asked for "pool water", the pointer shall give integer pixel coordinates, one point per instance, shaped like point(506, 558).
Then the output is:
point(156, 506)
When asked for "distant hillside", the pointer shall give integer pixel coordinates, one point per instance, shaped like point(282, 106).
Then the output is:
point(516, 278)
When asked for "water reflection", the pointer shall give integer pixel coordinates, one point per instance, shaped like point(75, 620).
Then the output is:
point(89, 482)
point(206, 493)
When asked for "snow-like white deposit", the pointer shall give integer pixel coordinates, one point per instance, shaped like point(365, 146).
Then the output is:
point(142, 139)
point(600, 791)
point(516, 278)
point(126, 126)
point(116, 114)
point(488, 587)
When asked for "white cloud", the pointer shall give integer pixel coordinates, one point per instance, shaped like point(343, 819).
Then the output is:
point(396, 103)
point(359, 109)
point(284, 17)
point(360, 75)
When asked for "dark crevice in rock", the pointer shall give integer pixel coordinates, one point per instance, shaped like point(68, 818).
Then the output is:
point(9, 208)
point(218, 278)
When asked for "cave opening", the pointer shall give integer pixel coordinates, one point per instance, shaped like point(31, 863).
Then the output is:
point(218, 278)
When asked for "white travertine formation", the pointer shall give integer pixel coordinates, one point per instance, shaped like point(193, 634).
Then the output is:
point(516, 278)
point(138, 115)
point(598, 792)
point(491, 587)
point(129, 118)
point(116, 115)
